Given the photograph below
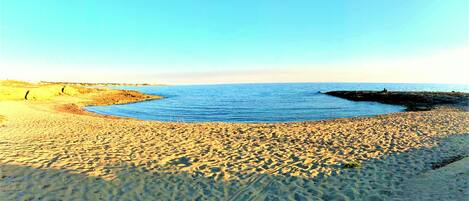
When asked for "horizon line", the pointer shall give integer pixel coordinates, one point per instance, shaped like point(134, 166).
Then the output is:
point(235, 83)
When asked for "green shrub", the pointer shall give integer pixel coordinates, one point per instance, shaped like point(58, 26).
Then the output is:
point(352, 164)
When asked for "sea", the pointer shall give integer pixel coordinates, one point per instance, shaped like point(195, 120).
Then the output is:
point(259, 103)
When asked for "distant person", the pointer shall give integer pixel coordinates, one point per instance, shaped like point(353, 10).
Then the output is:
point(63, 89)
point(384, 90)
point(26, 95)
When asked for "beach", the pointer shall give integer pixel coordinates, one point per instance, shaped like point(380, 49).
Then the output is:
point(50, 148)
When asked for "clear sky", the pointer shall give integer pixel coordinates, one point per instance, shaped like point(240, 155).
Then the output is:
point(212, 41)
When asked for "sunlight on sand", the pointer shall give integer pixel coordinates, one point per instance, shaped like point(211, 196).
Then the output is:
point(49, 149)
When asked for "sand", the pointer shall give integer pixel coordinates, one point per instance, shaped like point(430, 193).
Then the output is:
point(427, 186)
point(51, 149)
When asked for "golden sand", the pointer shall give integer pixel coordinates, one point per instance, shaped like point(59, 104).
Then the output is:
point(50, 148)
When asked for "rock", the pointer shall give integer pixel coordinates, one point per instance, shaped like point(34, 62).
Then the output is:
point(414, 101)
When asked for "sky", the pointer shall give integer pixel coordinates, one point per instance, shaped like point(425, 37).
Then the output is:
point(208, 41)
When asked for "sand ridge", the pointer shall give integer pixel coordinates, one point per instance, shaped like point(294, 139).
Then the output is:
point(139, 160)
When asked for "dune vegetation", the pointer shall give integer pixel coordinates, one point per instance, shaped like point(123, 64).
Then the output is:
point(13, 90)
point(18, 90)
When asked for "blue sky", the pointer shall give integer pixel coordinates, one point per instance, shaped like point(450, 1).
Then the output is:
point(210, 41)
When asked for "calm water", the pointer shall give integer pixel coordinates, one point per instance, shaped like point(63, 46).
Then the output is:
point(259, 102)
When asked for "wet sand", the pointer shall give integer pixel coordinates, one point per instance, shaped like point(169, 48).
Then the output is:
point(50, 149)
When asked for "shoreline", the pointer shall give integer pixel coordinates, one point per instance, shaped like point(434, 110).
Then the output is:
point(121, 97)
point(62, 153)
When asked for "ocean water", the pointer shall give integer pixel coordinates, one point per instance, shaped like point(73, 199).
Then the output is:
point(259, 102)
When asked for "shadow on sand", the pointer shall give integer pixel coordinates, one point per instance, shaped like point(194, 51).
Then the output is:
point(377, 179)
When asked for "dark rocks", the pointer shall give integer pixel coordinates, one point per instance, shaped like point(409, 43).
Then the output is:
point(414, 101)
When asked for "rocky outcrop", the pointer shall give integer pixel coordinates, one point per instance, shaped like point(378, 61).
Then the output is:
point(414, 101)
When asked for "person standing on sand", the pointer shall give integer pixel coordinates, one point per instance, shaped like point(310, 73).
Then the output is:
point(26, 95)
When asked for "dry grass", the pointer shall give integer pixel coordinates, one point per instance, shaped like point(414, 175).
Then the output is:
point(18, 90)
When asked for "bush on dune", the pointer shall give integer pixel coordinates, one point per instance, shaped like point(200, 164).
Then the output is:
point(353, 164)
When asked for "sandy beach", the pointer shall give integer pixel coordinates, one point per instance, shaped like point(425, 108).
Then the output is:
point(51, 149)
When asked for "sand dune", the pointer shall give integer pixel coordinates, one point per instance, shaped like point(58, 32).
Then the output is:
point(48, 151)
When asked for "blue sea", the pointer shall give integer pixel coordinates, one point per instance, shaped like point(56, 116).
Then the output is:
point(286, 102)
